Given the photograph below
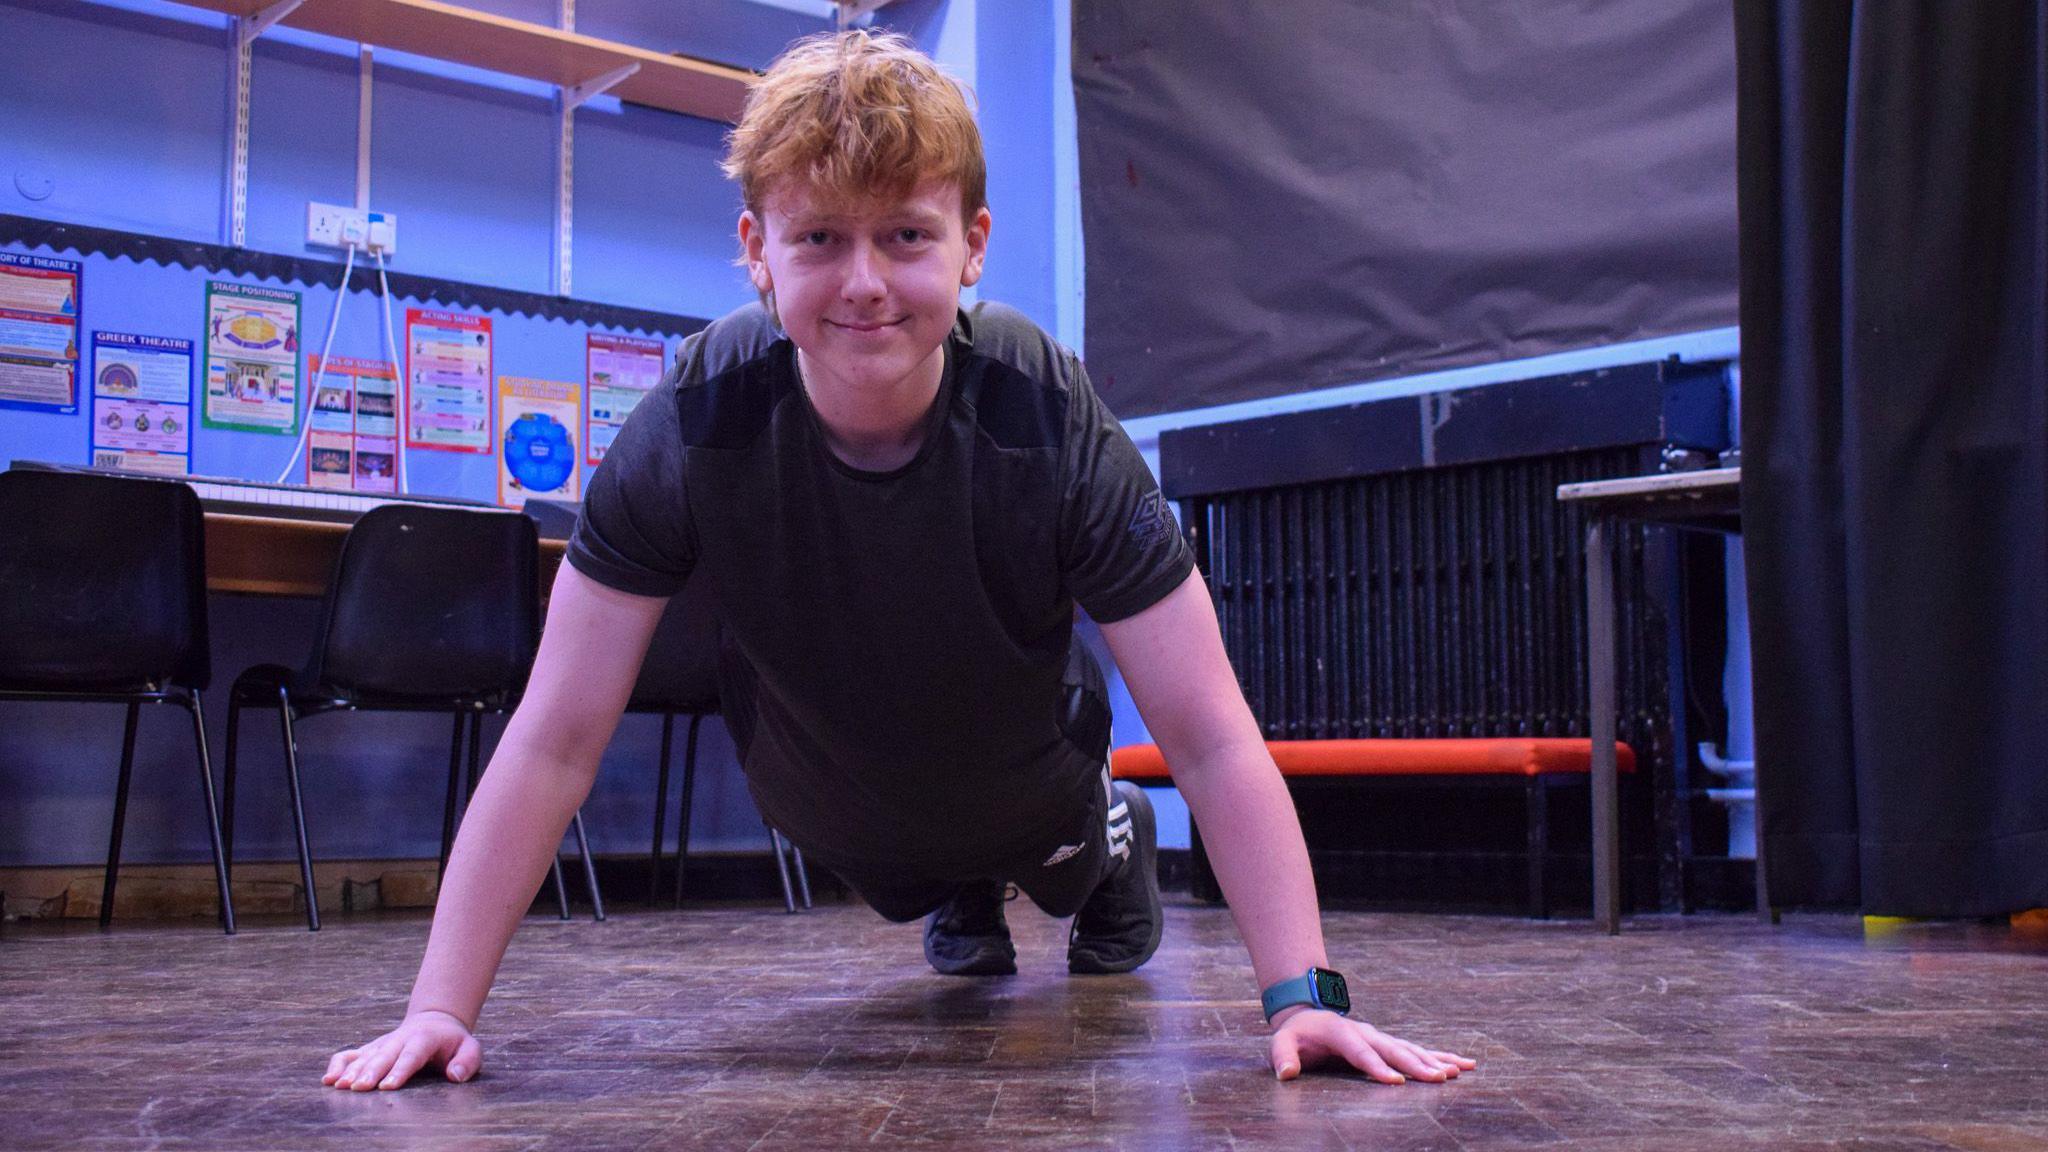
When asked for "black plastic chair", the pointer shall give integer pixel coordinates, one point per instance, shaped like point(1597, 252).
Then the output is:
point(105, 581)
point(679, 677)
point(430, 610)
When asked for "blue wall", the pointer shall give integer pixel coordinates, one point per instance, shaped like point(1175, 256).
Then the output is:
point(1016, 82)
point(122, 107)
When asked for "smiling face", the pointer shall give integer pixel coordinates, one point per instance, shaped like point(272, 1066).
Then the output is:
point(866, 290)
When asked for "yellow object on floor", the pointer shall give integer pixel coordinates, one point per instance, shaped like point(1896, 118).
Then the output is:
point(1880, 926)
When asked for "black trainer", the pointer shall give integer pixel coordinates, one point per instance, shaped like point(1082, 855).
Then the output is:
point(1118, 928)
point(967, 936)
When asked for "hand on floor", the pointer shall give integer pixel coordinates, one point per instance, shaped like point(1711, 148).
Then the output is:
point(1308, 1037)
point(426, 1039)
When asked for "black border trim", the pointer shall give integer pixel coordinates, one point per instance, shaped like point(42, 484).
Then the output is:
point(1662, 402)
point(76, 238)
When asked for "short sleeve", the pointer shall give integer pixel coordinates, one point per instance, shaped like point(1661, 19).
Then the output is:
point(634, 531)
point(1121, 549)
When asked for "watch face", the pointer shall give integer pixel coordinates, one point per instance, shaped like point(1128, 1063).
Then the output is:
point(1330, 990)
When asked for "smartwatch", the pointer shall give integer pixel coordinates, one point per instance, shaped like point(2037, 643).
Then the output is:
point(1317, 988)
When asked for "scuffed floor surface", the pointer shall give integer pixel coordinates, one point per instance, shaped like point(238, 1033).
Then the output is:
point(745, 1028)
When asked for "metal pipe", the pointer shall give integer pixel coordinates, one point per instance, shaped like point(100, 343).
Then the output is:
point(1710, 755)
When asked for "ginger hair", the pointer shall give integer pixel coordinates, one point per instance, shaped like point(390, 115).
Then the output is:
point(858, 116)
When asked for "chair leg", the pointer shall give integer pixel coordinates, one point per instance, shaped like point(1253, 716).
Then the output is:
point(561, 885)
point(120, 815)
point(291, 776)
point(589, 868)
point(1201, 877)
point(448, 805)
point(476, 739)
point(683, 812)
point(803, 878)
point(782, 867)
point(220, 857)
point(227, 786)
point(555, 863)
point(476, 743)
point(668, 730)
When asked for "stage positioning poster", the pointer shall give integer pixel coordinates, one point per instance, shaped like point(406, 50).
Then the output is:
point(537, 431)
point(353, 442)
point(619, 371)
point(447, 381)
point(142, 403)
point(252, 358)
point(39, 333)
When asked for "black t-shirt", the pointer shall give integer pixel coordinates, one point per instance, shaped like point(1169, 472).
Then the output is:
point(907, 630)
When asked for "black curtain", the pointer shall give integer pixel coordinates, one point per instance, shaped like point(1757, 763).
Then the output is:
point(1894, 274)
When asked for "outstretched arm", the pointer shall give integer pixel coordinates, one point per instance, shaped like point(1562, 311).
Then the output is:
point(589, 657)
point(1171, 656)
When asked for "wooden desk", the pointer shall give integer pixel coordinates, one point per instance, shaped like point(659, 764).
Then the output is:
point(281, 556)
point(1708, 500)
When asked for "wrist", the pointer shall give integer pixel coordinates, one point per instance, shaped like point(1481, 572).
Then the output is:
point(422, 1010)
point(1287, 1013)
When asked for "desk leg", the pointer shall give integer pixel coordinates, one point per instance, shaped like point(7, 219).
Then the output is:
point(1764, 911)
point(1600, 690)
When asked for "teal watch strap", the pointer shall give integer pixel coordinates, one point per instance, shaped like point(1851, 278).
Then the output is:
point(1317, 988)
point(1287, 993)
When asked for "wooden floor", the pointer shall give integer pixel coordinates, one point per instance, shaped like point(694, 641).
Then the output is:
point(745, 1028)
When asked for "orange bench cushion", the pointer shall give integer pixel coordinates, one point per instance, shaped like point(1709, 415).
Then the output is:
point(1509, 756)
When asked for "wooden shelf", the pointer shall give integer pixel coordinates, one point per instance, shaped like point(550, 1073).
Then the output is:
point(518, 48)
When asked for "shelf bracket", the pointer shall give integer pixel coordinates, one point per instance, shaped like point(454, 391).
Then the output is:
point(572, 97)
point(852, 12)
point(576, 95)
point(364, 64)
point(235, 213)
point(565, 169)
point(253, 26)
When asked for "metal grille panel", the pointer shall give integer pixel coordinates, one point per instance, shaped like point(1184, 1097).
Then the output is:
point(1438, 602)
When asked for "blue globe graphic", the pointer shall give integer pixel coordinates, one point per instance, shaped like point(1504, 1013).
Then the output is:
point(538, 452)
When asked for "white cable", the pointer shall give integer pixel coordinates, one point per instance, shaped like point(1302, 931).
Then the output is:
point(397, 378)
point(312, 395)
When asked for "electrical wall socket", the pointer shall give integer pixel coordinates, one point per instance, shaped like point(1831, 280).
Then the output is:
point(384, 232)
point(333, 226)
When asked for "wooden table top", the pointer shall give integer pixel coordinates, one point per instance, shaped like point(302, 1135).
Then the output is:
point(281, 556)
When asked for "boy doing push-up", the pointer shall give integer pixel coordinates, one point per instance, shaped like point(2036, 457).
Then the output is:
point(897, 505)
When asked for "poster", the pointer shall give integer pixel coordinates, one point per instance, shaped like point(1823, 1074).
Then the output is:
point(142, 403)
point(447, 380)
point(252, 358)
point(352, 441)
point(39, 333)
point(537, 422)
point(618, 371)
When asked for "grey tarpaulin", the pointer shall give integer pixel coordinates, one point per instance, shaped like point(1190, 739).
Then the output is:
point(1281, 197)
